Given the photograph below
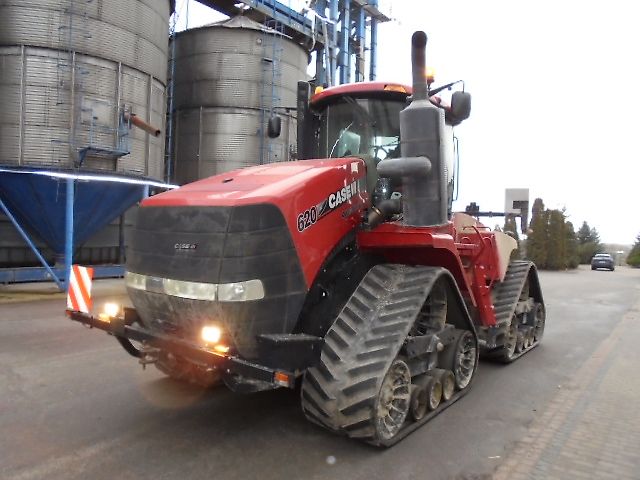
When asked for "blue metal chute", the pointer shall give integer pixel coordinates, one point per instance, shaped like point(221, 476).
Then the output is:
point(38, 202)
point(64, 209)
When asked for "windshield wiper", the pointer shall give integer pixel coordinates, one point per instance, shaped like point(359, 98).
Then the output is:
point(339, 138)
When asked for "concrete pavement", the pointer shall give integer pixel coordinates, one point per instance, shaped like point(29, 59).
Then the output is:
point(74, 405)
point(591, 429)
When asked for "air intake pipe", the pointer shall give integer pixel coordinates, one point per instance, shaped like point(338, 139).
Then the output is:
point(421, 168)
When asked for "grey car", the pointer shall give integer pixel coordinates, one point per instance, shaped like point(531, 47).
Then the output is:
point(602, 260)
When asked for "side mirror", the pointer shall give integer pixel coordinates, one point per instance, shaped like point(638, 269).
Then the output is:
point(460, 108)
point(274, 126)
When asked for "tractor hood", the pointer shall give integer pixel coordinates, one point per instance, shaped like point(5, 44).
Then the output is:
point(272, 183)
point(320, 200)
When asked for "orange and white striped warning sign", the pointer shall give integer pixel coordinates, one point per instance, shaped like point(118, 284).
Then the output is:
point(79, 291)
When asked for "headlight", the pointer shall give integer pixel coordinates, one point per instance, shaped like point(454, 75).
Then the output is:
point(211, 334)
point(192, 290)
point(135, 280)
point(112, 309)
point(226, 292)
point(109, 311)
point(241, 291)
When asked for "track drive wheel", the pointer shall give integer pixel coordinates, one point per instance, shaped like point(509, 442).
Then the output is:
point(393, 401)
point(461, 357)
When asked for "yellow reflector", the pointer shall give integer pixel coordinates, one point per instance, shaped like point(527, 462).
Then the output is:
point(395, 88)
point(221, 348)
point(318, 89)
point(430, 73)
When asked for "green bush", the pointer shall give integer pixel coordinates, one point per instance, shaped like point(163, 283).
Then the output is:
point(634, 260)
point(634, 255)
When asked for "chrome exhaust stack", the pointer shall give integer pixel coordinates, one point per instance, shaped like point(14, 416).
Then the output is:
point(421, 168)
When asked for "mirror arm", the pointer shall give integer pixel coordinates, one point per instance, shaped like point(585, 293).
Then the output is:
point(447, 86)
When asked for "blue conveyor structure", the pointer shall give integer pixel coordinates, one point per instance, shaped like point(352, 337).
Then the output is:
point(63, 209)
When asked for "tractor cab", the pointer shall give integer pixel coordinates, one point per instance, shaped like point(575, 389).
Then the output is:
point(358, 122)
point(363, 120)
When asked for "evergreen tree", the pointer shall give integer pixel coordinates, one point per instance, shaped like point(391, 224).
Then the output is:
point(634, 255)
point(571, 240)
point(588, 243)
point(584, 234)
point(536, 210)
point(537, 238)
point(556, 242)
point(511, 228)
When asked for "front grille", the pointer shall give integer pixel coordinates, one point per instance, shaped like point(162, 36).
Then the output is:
point(217, 245)
point(256, 237)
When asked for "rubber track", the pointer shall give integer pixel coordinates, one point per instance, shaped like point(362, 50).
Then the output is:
point(339, 394)
point(506, 300)
point(508, 291)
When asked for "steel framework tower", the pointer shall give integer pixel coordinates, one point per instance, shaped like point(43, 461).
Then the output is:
point(343, 33)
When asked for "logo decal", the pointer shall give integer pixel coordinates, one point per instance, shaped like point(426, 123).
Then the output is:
point(185, 246)
point(309, 217)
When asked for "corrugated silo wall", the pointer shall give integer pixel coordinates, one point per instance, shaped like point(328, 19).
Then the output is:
point(228, 79)
point(67, 69)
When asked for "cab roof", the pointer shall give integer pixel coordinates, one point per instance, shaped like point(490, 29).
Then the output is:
point(360, 88)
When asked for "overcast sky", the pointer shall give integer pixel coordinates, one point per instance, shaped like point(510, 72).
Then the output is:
point(555, 88)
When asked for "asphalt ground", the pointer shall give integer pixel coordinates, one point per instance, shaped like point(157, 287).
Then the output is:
point(74, 405)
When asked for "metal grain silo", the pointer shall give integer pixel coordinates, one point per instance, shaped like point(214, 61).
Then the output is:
point(68, 69)
point(229, 77)
point(72, 74)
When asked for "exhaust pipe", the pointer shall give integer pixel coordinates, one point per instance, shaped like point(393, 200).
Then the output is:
point(418, 65)
point(421, 168)
point(141, 124)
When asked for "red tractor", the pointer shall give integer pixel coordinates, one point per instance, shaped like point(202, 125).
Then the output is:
point(345, 273)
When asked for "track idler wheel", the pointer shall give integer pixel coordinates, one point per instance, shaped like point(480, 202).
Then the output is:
point(461, 357)
point(531, 337)
point(538, 315)
point(508, 349)
point(519, 341)
point(426, 396)
point(447, 380)
point(393, 401)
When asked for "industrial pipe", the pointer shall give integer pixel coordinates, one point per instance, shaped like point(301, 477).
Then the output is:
point(418, 63)
point(141, 124)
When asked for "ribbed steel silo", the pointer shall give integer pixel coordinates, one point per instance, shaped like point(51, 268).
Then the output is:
point(229, 78)
point(68, 69)
point(71, 74)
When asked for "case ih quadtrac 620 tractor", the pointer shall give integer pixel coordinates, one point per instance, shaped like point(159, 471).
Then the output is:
point(345, 272)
